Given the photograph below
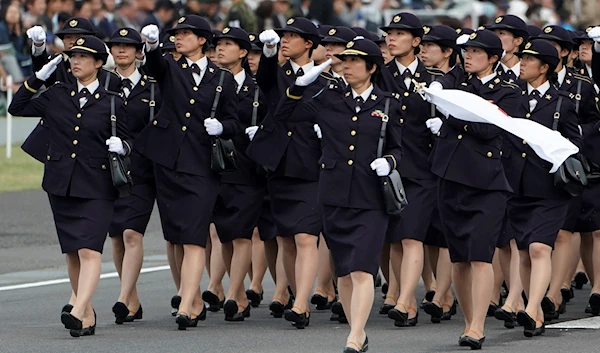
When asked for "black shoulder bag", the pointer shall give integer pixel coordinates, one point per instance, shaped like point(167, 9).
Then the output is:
point(119, 165)
point(223, 160)
point(394, 196)
point(571, 175)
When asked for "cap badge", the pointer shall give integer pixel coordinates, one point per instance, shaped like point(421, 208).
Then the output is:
point(350, 44)
point(528, 45)
point(332, 31)
point(458, 30)
point(499, 19)
point(480, 28)
point(172, 39)
point(397, 19)
point(473, 36)
point(73, 23)
point(290, 21)
point(588, 30)
point(426, 29)
point(547, 29)
point(123, 32)
point(252, 37)
point(80, 41)
point(181, 20)
point(226, 30)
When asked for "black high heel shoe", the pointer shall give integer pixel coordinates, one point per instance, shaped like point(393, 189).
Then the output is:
point(137, 316)
point(183, 322)
point(526, 321)
point(364, 348)
point(200, 317)
point(242, 315)
point(213, 300)
point(254, 297)
point(67, 308)
point(86, 331)
point(70, 321)
point(121, 312)
point(338, 313)
point(473, 343)
point(549, 309)
point(409, 322)
point(230, 308)
point(175, 301)
point(435, 311)
point(300, 321)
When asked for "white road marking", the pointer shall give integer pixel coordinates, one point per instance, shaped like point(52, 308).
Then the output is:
point(587, 323)
point(66, 280)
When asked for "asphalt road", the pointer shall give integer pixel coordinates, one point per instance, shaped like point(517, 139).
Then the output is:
point(30, 321)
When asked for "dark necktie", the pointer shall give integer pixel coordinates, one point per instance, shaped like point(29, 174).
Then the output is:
point(300, 72)
point(406, 74)
point(196, 69)
point(359, 102)
point(236, 86)
point(511, 75)
point(126, 83)
point(84, 93)
point(534, 95)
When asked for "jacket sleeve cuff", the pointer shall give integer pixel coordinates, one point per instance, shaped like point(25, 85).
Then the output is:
point(127, 148)
point(33, 84)
point(391, 160)
point(295, 92)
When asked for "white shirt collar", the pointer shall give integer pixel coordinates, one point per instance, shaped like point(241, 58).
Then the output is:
point(135, 77)
point(240, 77)
point(589, 70)
point(487, 78)
point(364, 95)
point(542, 88)
point(412, 67)
point(336, 75)
point(92, 87)
point(306, 68)
point(515, 69)
point(561, 75)
point(202, 63)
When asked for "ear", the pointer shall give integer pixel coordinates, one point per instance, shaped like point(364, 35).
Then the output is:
point(373, 69)
point(448, 53)
point(544, 68)
point(416, 42)
point(201, 40)
point(494, 59)
point(138, 52)
point(244, 53)
point(308, 44)
point(98, 64)
point(518, 41)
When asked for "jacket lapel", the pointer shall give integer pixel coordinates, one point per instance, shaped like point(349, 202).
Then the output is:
point(187, 72)
point(375, 96)
point(139, 88)
point(548, 98)
point(347, 97)
point(210, 74)
point(288, 74)
point(247, 88)
point(96, 96)
point(73, 93)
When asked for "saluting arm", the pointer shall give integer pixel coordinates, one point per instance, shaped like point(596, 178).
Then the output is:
point(23, 105)
point(266, 76)
point(155, 63)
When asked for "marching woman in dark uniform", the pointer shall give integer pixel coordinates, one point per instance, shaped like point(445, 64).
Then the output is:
point(238, 206)
point(536, 210)
point(354, 218)
point(76, 176)
point(179, 142)
point(438, 51)
point(472, 201)
point(132, 213)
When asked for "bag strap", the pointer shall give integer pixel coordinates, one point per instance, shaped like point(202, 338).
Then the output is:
point(432, 107)
point(255, 105)
point(557, 114)
point(384, 122)
point(152, 101)
point(113, 117)
point(213, 110)
point(107, 81)
point(578, 97)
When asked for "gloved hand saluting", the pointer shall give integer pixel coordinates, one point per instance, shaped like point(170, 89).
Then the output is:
point(213, 127)
point(270, 38)
point(115, 145)
point(312, 75)
point(37, 36)
point(381, 167)
point(48, 69)
point(151, 33)
point(594, 34)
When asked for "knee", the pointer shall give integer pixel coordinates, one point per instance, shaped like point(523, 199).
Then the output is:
point(305, 241)
point(361, 277)
point(242, 243)
point(563, 237)
point(412, 245)
point(132, 239)
point(539, 251)
point(88, 254)
point(596, 235)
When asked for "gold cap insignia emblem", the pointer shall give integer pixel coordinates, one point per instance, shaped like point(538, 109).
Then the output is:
point(588, 30)
point(80, 41)
point(123, 32)
point(528, 45)
point(397, 19)
point(426, 29)
point(480, 28)
point(73, 23)
point(252, 37)
point(332, 31)
point(290, 21)
point(181, 20)
point(499, 19)
point(473, 36)
point(172, 39)
point(458, 30)
point(226, 30)
point(350, 44)
point(547, 29)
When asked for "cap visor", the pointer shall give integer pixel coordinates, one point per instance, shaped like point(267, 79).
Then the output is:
point(333, 40)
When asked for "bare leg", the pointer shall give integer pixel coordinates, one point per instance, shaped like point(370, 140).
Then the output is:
point(192, 269)
point(324, 272)
point(411, 269)
point(509, 260)
point(217, 265)
point(596, 263)
point(463, 280)
point(89, 276)
point(132, 265)
point(259, 263)
point(560, 264)
point(289, 260)
point(173, 265)
point(498, 279)
point(240, 262)
point(481, 293)
point(306, 268)
point(360, 307)
point(345, 289)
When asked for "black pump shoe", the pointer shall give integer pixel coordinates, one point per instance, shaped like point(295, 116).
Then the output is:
point(473, 343)
point(70, 321)
point(121, 312)
point(200, 317)
point(137, 316)
point(183, 322)
point(300, 321)
point(254, 297)
point(435, 311)
point(213, 300)
point(86, 331)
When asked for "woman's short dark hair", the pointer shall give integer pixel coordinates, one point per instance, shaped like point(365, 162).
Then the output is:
point(452, 61)
point(370, 63)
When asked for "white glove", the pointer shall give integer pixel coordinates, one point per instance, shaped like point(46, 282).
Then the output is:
point(49, 68)
point(312, 75)
point(381, 167)
point(434, 124)
point(269, 37)
point(151, 33)
point(37, 35)
point(580, 131)
point(213, 127)
point(115, 145)
point(594, 34)
point(251, 131)
point(317, 129)
point(462, 39)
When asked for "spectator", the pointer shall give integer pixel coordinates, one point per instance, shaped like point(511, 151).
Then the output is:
point(53, 7)
point(13, 26)
point(241, 16)
point(163, 16)
point(209, 10)
point(264, 16)
point(281, 13)
point(83, 8)
point(33, 16)
point(125, 14)
point(102, 19)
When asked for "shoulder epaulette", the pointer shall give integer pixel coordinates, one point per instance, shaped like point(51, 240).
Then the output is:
point(509, 84)
point(435, 72)
point(582, 78)
point(328, 77)
point(225, 69)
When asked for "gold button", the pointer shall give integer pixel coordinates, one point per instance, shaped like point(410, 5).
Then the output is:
point(351, 147)
point(353, 132)
point(184, 128)
point(527, 115)
point(103, 166)
point(195, 88)
point(323, 165)
point(439, 133)
point(350, 162)
point(289, 133)
point(48, 157)
point(73, 155)
point(187, 115)
point(401, 121)
point(354, 118)
point(154, 122)
point(460, 137)
point(78, 115)
point(500, 152)
point(524, 142)
point(524, 155)
point(41, 122)
point(406, 94)
point(489, 154)
point(403, 107)
point(76, 128)
point(430, 146)
point(192, 101)
point(75, 142)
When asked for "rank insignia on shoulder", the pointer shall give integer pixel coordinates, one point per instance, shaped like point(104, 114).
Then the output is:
point(548, 97)
point(417, 74)
point(491, 86)
point(184, 66)
point(568, 82)
point(497, 80)
point(373, 97)
point(143, 83)
point(245, 88)
point(347, 94)
point(211, 70)
point(396, 74)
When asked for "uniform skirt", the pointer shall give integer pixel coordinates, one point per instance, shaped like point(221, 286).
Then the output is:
point(505, 236)
point(134, 211)
point(471, 220)
point(574, 209)
point(295, 207)
point(266, 224)
point(535, 220)
point(81, 223)
point(435, 234)
point(415, 219)
point(355, 238)
point(237, 211)
point(186, 204)
point(589, 217)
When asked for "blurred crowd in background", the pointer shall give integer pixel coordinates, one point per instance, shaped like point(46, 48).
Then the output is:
point(16, 16)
